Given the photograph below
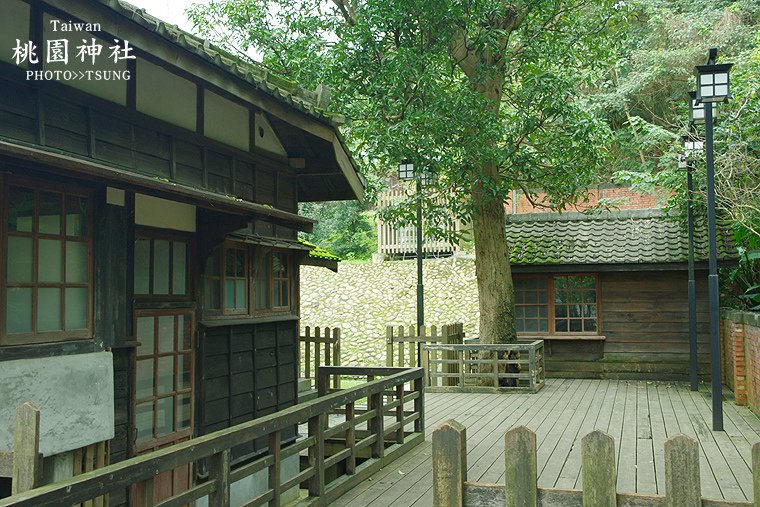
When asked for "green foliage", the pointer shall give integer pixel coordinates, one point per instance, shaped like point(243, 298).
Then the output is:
point(742, 283)
point(345, 228)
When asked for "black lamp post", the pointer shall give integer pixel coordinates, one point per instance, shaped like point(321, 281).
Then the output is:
point(712, 87)
point(406, 172)
point(692, 147)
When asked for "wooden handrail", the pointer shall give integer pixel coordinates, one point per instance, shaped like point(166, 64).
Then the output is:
point(216, 446)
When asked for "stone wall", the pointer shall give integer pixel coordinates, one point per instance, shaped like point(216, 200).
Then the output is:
point(741, 356)
point(362, 299)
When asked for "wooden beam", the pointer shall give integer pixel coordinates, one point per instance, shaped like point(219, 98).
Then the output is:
point(27, 465)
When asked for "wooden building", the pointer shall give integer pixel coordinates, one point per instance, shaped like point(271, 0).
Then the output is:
point(148, 241)
point(608, 291)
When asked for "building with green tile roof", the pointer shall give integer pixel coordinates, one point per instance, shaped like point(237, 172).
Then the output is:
point(608, 291)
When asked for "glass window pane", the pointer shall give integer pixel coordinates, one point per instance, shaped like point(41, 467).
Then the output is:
point(50, 263)
point(543, 325)
point(48, 309)
point(520, 325)
point(576, 325)
point(20, 260)
point(229, 263)
point(229, 294)
point(262, 282)
point(560, 283)
point(142, 266)
point(166, 333)
point(76, 262)
point(160, 266)
point(277, 295)
point(164, 416)
point(144, 421)
point(184, 408)
point(589, 325)
point(240, 287)
point(20, 210)
point(76, 308)
point(560, 311)
point(519, 312)
point(560, 326)
point(146, 336)
point(543, 311)
point(588, 282)
point(531, 297)
point(560, 297)
point(179, 273)
point(589, 296)
point(531, 311)
point(543, 297)
point(531, 325)
point(183, 371)
point(165, 375)
point(239, 262)
point(575, 297)
point(19, 309)
point(50, 213)
point(575, 311)
point(76, 216)
point(144, 379)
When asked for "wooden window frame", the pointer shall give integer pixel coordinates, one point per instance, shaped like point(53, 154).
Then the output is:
point(551, 305)
point(274, 279)
point(246, 279)
point(152, 234)
point(37, 186)
point(174, 436)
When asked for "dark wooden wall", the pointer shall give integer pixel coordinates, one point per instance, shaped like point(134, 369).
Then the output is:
point(246, 371)
point(645, 318)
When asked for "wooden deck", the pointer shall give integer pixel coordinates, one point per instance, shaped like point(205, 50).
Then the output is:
point(639, 415)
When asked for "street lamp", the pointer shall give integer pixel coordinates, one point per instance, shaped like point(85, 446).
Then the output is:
point(406, 172)
point(692, 147)
point(713, 87)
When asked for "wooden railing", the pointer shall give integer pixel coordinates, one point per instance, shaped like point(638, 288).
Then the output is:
point(335, 452)
point(484, 367)
point(402, 344)
point(598, 470)
point(319, 346)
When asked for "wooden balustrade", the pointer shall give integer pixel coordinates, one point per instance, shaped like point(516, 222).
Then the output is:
point(599, 471)
point(472, 367)
point(350, 448)
point(402, 343)
point(319, 346)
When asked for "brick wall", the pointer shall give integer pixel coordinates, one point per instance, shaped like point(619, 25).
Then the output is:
point(741, 356)
point(622, 197)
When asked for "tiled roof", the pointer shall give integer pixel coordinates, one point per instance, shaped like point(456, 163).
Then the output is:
point(318, 252)
point(285, 90)
point(610, 237)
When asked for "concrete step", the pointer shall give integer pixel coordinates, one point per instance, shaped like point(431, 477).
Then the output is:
point(304, 384)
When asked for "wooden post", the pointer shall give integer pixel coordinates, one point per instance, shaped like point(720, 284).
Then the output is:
point(328, 344)
point(521, 468)
point(419, 403)
point(449, 464)
point(274, 469)
point(389, 346)
point(27, 466)
point(336, 354)
point(219, 472)
point(377, 424)
point(756, 471)
point(323, 381)
point(599, 470)
point(317, 340)
point(317, 455)
point(400, 413)
point(425, 366)
point(682, 486)
point(307, 352)
point(351, 439)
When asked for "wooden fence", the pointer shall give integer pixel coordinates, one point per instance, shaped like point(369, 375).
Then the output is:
point(520, 488)
point(402, 344)
point(336, 453)
point(24, 464)
point(316, 345)
point(519, 364)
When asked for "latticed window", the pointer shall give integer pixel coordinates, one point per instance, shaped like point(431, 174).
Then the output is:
point(546, 304)
point(48, 265)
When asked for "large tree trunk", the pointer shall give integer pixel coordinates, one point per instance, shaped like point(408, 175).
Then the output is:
point(492, 269)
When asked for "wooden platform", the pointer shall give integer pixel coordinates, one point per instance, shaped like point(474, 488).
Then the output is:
point(639, 415)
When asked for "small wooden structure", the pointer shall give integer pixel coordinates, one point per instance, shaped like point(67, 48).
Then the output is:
point(401, 344)
point(520, 488)
point(334, 456)
point(319, 346)
point(522, 363)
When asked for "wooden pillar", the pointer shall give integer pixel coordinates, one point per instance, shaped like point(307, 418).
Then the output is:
point(599, 470)
point(27, 465)
point(682, 487)
point(449, 464)
point(275, 441)
point(521, 468)
point(219, 472)
point(317, 455)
